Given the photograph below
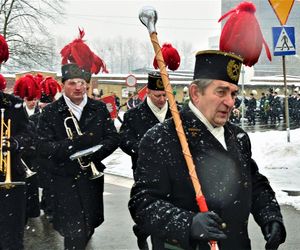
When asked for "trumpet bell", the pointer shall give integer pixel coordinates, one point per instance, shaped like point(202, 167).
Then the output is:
point(96, 176)
point(95, 173)
point(28, 172)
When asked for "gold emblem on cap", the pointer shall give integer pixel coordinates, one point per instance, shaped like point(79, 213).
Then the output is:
point(159, 84)
point(233, 70)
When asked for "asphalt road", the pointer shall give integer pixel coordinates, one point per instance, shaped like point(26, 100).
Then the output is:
point(116, 232)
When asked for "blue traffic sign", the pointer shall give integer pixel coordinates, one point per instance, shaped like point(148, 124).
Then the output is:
point(283, 41)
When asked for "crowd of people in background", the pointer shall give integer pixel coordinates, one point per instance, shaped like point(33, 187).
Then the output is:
point(268, 109)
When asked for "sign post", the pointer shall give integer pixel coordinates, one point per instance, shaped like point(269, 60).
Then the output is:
point(284, 44)
point(131, 83)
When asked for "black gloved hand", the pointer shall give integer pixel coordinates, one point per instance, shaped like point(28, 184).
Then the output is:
point(207, 226)
point(274, 233)
point(13, 147)
point(84, 141)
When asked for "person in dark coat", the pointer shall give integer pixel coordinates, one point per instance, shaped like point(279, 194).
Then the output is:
point(32, 202)
point(137, 121)
point(77, 188)
point(163, 199)
point(13, 197)
point(49, 90)
point(133, 100)
point(262, 109)
point(251, 109)
point(15, 139)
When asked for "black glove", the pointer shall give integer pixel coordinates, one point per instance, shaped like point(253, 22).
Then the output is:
point(85, 141)
point(207, 226)
point(274, 233)
point(13, 147)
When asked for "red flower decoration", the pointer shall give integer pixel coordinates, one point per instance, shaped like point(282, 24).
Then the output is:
point(242, 35)
point(170, 55)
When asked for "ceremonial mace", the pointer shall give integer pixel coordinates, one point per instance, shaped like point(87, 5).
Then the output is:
point(148, 16)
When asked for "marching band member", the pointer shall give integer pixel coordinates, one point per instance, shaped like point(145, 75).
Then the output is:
point(163, 199)
point(12, 192)
point(137, 121)
point(196, 181)
point(27, 88)
point(78, 200)
point(50, 88)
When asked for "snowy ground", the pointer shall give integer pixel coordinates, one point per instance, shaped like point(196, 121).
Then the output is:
point(277, 159)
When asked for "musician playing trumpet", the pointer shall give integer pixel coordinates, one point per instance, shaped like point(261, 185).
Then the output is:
point(15, 139)
point(78, 200)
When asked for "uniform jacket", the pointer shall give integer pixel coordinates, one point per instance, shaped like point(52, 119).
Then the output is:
point(78, 207)
point(132, 102)
point(137, 121)
point(163, 199)
point(20, 130)
point(32, 182)
point(13, 200)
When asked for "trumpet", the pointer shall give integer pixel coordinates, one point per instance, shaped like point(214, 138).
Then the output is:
point(5, 157)
point(95, 173)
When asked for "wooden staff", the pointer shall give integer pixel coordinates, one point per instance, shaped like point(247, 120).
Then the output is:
point(148, 16)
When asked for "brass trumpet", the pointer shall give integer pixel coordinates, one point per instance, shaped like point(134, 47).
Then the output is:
point(95, 173)
point(5, 157)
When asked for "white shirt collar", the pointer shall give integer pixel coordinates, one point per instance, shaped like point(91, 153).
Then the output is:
point(76, 109)
point(217, 132)
point(159, 113)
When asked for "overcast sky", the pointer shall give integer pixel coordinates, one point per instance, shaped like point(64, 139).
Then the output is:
point(191, 21)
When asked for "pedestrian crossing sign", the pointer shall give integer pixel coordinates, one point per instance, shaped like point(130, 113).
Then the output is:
point(284, 41)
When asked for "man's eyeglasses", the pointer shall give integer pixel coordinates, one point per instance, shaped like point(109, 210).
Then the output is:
point(74, 83)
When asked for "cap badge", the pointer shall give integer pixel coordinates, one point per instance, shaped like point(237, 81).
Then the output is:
point(233, 70)
point(159, 84)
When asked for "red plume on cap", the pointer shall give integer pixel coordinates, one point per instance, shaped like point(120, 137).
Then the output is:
point(79, 53)
point(242, 35)
point(26, 86)
point(4, 53)
point(39, 78)
point(2, 82)
point(170, 55)
point(50, 86)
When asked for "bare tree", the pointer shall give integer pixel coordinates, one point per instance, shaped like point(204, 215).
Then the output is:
point(23, 26)
point(147, 54)
point(126, 55)
point(187, 55)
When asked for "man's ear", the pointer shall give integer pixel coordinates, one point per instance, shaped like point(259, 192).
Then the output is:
point(194, 92)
